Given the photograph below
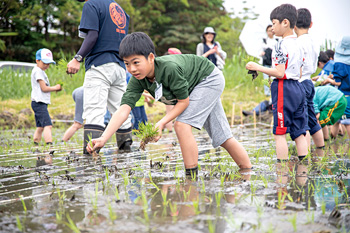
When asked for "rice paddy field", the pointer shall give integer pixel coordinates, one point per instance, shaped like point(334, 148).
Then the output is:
point(58, 189)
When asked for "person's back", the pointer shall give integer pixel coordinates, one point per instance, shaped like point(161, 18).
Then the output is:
point(111, 22)
point(310, 56)
point(104, 25)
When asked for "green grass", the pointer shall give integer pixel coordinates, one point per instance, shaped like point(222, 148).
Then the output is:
point(17, 85)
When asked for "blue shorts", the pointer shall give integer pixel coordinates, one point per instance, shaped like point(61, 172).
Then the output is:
point(42, 117)
point(311, 120)
point(288, 99)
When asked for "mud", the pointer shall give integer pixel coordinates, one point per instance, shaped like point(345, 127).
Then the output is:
point(58, 189)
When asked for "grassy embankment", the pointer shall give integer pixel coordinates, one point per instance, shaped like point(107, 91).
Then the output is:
point(16, 89)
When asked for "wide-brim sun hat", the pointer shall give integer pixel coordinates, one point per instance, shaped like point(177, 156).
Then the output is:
point(342, 51)
point(344, 46)
point(208, 30)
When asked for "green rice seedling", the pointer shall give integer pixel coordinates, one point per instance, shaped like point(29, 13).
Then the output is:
point(218, 197)
point(146, 133)
point(323, 207)
point(107, 176)
point(230, 219)
point(196, 206)
point(222, 180)
point(116, 192)
point(61, 196)
point(59, 216)
point(112, 215)
point(125, 177)
point(94, 154)
point(211, 226)
point(173, 210)
point(71, 224)
point(264, 180)
point(293, 221)
point(280, 201)
point(164, 197)
point(23, 203)
point(312, 219)
point(253, 187)
point(145, 206)
point(19, 224)
point(259, 210)
point(203, 185)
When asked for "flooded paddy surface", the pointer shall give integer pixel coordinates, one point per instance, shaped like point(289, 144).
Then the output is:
point(58, 189)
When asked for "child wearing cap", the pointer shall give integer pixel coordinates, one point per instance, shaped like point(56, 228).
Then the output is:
point(40, 95)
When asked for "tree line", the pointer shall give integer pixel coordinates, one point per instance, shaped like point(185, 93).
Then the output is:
point(27, 25)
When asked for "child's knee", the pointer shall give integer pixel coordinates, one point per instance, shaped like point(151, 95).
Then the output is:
point(77, 125)
point(48, 127)
point(180, 126)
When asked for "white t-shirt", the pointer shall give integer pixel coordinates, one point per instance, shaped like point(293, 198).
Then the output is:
point(310, 55)
point(37, 94)
point(270, 43)
point(288, 52)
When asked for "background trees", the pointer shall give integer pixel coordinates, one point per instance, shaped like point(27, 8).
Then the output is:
point(27, 25)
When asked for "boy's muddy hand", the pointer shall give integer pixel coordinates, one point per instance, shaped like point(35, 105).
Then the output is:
point(97, 143)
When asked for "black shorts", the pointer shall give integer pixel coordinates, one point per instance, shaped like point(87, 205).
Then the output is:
point(42, 117)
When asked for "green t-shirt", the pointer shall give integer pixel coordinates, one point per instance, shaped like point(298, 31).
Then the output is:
point(178, 74)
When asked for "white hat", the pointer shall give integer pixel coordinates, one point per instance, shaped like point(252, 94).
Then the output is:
point(209, 30)
point(45, 55)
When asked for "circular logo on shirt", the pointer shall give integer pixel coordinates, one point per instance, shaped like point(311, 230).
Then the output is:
point(117, 15)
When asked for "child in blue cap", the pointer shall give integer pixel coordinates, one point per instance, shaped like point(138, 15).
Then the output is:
point(40, 95)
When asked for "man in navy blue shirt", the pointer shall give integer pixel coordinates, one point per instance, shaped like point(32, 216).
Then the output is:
point(103, 25)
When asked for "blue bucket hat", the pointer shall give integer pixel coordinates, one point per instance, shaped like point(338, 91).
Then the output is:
point(342, 51)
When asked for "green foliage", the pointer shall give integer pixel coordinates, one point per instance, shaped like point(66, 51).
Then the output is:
point(170, 23)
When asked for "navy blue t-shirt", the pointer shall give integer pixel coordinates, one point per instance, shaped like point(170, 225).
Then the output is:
point(112, 23)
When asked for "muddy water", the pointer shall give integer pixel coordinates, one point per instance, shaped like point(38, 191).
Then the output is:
point(63, 191)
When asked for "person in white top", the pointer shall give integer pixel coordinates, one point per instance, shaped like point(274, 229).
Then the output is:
point(310, 54)
point(267, 46)
point(40, 95)
point(287, 93)
point(211, 49)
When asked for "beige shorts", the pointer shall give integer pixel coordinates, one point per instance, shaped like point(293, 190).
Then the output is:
point(104, 87)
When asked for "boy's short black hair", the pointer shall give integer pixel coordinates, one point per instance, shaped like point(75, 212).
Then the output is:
point(136, 43)
point(268, 26)
point(323, 57)
point(285, 11)
point(304, 18)
point(330, 53)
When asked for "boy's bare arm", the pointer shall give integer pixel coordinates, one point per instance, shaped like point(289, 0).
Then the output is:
point(277, 72)
point(116, 121)
point(45, 88)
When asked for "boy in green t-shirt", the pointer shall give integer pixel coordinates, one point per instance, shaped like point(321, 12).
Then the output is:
point(191, 83)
